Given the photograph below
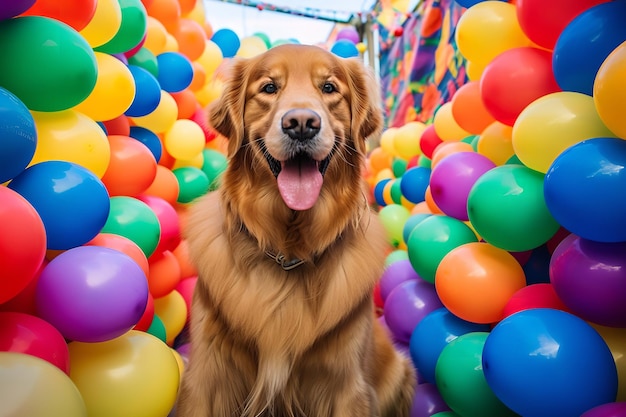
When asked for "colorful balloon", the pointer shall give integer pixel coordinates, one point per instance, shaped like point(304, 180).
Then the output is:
point(76, 13)
point(228, 42)
point(104, 24)
point(18, 136)
point(192, 183)
point(132, 167)
point(29, 44)
point(175, 71)
point(609, 93)
point(132, 28)
point(548, 362)
point(468, 108)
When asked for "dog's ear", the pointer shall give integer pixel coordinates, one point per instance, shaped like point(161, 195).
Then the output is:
point(226, 113)
point(366, 103)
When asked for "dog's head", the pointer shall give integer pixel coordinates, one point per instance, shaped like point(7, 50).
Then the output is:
point(302, 110)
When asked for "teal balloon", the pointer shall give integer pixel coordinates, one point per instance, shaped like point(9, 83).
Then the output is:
point(192, 183)
point(214, 165)
point(461, 380)
point(48, 65)
point(135, 220)
point(432, 239)
point(507, 208)
point(145, 59)
point(424, 162)
point(132, 28)
point(157, 329)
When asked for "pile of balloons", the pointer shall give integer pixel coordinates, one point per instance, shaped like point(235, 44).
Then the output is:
point(508, 218)
point(103, 142)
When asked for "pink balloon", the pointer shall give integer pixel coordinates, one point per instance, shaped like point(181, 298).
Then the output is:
point(168, 219)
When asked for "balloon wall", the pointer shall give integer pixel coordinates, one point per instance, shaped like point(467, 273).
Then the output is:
point(508, 205)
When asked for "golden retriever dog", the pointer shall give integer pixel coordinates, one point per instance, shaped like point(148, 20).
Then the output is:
point(288, 250)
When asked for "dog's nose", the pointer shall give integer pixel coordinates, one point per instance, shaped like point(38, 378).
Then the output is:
point(301, 124)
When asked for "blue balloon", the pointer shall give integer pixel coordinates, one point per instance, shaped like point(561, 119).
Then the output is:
point(585, 43)
point(414, 183)
point(378, 192)
point(18, 136)
point(228, 42)
point(411, 222)
point(72, 202)
point(147, 92)
point(544, 362)
point(148, 138)
point(470, 3)
point(345, 49)
point(175, 71)
point(584, 189)
point(432, 334)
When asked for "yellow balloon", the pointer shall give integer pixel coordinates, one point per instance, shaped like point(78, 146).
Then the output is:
point(184, 140)
point(384, 174)
point(73, 137)
point(615, 339)
point(609, 91)
point(156, 36)
point(171, 44)
point(553, 123)
point(209, 92)
point(251, 46)
point(406, 140)
point(180, 362)
point(33, 387)
point(487, 29)
point(196, 162)
point(161, 118)
point(211, 58)
point(495, 143)
point(104, 24)
point(113, 93)
point(475, 70)
point(172, 310)
point(198, 13)
point(445, 126)
point(387, 141)
point(129, 376)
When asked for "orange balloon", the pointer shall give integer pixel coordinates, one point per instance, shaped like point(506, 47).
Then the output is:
point(191, 38)
point(186, 102)
point(421, 208)
point(495, 143)
point(121, 244)
point(199, 77)
point(208, 29)
point(132, 167)
point(468, 108)
point(166, 160)
point(476, 280)
point(430, 202)
point(164, 185)
point(186, 6)
point(379, 159)
point(166, 11)
point(447, 148)
point(187, 269)
point(164, 274)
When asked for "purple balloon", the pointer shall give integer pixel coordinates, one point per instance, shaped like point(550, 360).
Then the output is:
point(14, 8)
point(92, 293)
point(590, 278)
point(427, 401)
point(452, 179)
point(349, 33)
point(607, 410)
point(395, 274)
point(407, 305)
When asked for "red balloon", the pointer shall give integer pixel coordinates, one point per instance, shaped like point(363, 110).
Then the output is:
point(543, 21)
point(429, 141)
point(23, 333)
point(534, 296)
point(186, 287)
point(148, 315)
point(514, 79)
point(76, 13)
point(22, 243)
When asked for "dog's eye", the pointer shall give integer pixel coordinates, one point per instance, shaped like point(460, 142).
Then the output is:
point(328, 88)
point(269, 88)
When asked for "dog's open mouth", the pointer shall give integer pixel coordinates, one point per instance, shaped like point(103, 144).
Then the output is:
point(299, 179)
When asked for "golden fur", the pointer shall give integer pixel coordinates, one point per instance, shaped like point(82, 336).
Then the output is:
point(302, 342)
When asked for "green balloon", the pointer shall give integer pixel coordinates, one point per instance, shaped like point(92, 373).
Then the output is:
point(214, 165)
point(157, 329)
point(135, 220)
point(192, 183)
point(507, 208)
point(264, 38)
point(145, 59)
point(461, 381)
point(132, 28)
point(45, 63)
point(424, 161)
point(396, 191)
point(393, 217)
point(396, 255)
point(432, 239)
point(398, 167)
point(446, 414)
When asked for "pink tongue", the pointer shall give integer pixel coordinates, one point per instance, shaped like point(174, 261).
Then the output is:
point(299, 184)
